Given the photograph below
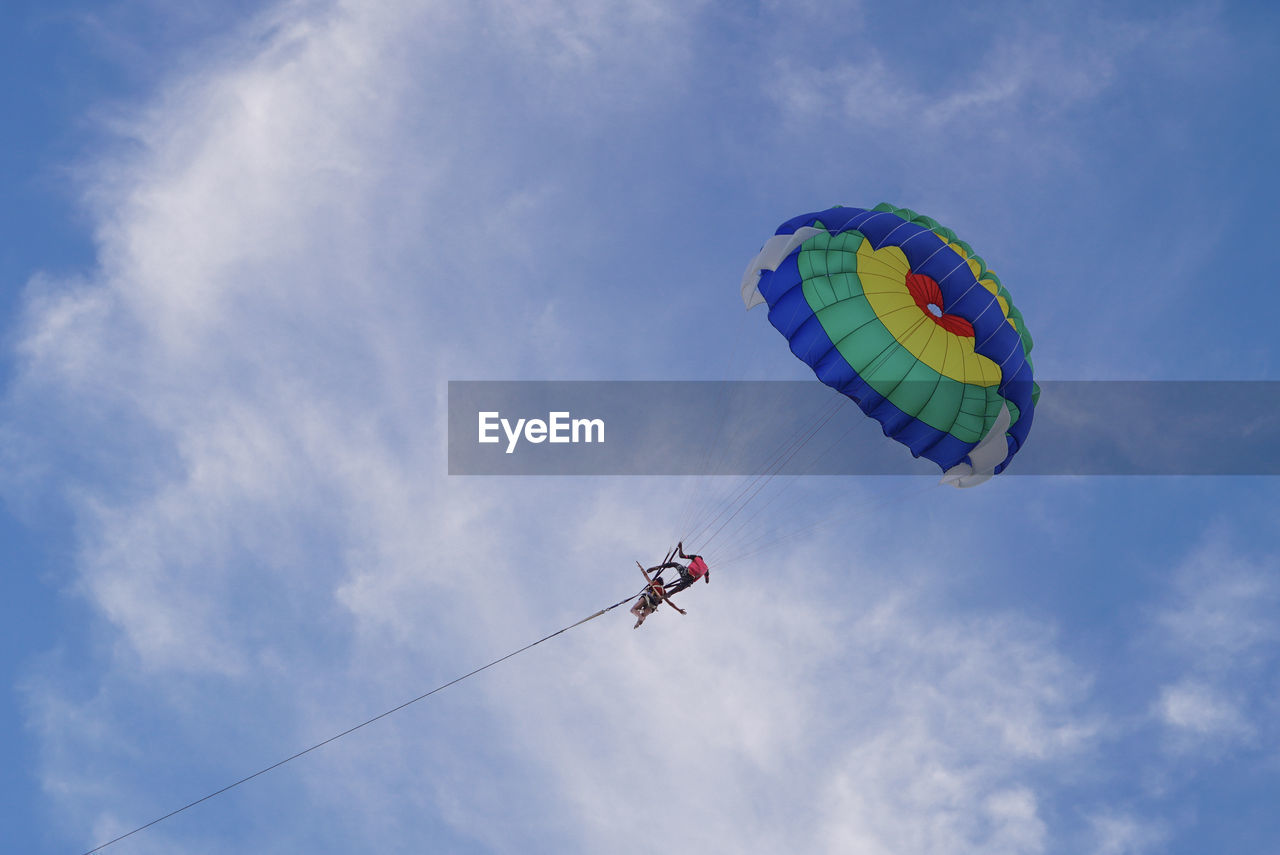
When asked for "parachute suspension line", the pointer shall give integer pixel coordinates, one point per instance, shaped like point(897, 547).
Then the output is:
point(782, 455)
point(880, 359)
point(351, 730)
point(760, 507)
point(695, 487)
point(771, 540)
point(780, 466)
point(700, 522)
point(753, 488)
point(734, 506)
point(768, 540)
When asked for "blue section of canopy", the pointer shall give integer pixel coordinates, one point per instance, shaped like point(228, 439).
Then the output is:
point(963, 296)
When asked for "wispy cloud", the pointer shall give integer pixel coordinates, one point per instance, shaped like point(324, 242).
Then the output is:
point(1218, 623)
point(786, 721)
point(298, 243)
point(1202, 711)
point(1119, 834)
point(1006, 94)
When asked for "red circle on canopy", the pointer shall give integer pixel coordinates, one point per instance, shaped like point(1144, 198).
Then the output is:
point(928, 296)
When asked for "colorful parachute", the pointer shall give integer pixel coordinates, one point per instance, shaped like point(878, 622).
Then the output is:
point(893, 310)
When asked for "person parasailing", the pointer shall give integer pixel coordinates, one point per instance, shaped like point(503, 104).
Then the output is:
point(696, 569)
point(653, 595)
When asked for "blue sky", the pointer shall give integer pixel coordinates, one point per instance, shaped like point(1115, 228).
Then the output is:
point(247, 247)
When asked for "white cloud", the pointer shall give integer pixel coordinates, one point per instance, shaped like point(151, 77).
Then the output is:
point(770, 719)
point(298, 244)
point(1002, 94)
point(1218, 624)
point(973, 708)
point(578, 36)
point(1202, 710)
point(1119, 834)
point(1220, 612)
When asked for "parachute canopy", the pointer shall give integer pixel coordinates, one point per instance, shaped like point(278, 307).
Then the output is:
point(890, 308)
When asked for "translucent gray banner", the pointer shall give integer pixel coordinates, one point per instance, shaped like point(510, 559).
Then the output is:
point(745, 428)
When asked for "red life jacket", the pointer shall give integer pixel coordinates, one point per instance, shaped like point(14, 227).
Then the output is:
point(697, 567)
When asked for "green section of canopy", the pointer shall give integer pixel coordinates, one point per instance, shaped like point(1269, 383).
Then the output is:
point(828, 269)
